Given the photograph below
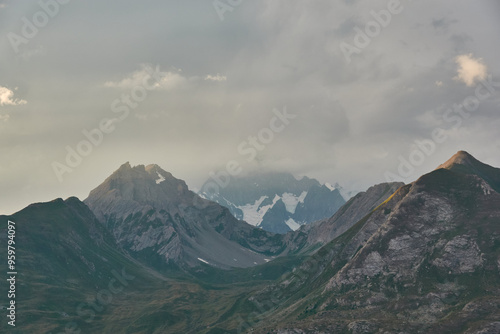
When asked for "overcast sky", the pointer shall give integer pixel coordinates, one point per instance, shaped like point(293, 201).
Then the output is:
point(357, 103)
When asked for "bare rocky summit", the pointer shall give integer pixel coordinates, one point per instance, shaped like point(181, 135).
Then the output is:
point(158, 220)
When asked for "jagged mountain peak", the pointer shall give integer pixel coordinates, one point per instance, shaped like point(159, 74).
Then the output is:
point(138, 188)
point(125, 166)
point(151, 172)
point(154, 168)
point(460, 158)
point(136, 171)
point(465, 163)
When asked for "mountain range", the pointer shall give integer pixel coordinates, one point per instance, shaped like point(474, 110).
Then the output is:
point(144, 254)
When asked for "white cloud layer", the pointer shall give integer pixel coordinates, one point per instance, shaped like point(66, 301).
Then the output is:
point(470, 69)
point(216, 77)
point(159, 80)
point(145, 76)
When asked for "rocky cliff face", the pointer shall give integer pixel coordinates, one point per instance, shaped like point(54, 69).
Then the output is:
point(426, 260)
point(157, 219)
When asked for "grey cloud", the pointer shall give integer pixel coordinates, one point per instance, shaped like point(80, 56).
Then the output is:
point(353, 119)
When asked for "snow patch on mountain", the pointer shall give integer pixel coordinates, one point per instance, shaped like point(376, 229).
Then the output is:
point(161, 178)
point(254, 213)
point(329, 186)
point(291, 201)
point(292, 224)
point(251, 212)
point(486, 188)
point(263, 209)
